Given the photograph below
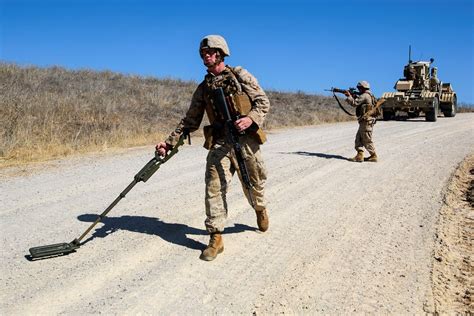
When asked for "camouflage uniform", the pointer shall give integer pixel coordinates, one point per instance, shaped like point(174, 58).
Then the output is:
point(363, 103)
point(221, 164)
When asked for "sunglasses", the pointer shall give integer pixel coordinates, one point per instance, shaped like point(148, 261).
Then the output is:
point(208, 51)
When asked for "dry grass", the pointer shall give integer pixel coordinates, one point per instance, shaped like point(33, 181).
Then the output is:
point(300, 109)
point(54, 112)
point(465, 107)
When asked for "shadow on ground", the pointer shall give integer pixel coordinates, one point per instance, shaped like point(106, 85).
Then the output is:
point(319, 155)
point(171, 232)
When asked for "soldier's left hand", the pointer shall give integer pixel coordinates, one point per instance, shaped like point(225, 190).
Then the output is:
point(243, 123)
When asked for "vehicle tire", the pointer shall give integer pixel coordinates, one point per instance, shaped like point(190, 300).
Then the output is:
point(432, 115)
point(454, 108)
point(387, 115)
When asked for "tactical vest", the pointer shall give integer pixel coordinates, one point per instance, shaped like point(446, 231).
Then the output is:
point(366, 107)
point(240, 104)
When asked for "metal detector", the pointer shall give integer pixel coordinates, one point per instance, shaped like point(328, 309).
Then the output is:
point(144, 174)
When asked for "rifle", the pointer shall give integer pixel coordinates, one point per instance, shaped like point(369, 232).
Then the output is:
point(375, 111)
point(233, 138)
point(352, 91)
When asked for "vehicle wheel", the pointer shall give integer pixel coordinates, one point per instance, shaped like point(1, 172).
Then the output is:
point(454, 108)
point(432, 115)
point(387, 115)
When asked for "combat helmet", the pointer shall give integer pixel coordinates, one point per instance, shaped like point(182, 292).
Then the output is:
point(215, 41)
point(364, 84)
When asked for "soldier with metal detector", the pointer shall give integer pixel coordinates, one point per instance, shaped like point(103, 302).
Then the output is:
point(236, 107)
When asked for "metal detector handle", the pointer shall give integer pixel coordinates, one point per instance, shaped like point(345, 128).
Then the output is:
point(154, 164)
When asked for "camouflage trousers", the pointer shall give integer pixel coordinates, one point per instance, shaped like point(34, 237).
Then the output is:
point(364, 136)
point(220, 168)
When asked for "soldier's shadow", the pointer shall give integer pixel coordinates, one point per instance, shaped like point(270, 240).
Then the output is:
point(171, 232)
point(319, 155)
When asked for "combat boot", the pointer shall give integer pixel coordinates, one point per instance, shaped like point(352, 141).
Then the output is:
point(215, 247)
point(262, 220)
point(373, 158)
point(359, 157)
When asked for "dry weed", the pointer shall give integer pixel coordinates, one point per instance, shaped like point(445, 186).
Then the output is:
point(54, 112)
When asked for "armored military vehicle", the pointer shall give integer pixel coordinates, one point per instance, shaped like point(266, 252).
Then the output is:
point(420, 91)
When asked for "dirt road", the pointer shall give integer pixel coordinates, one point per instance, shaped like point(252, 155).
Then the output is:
point(344, 237)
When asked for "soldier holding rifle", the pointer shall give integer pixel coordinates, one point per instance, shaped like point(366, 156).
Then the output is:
point(367, 109)
point(227, 95)
point(364, 102)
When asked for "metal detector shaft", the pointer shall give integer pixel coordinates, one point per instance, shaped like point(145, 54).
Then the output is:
point(107, 210)
point(143, 175)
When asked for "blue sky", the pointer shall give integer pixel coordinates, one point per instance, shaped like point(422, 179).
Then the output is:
point(292, 45)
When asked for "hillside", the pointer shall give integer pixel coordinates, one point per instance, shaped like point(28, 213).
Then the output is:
point(53, 112)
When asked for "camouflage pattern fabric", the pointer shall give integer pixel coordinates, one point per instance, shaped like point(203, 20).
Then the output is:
point(363, 103)
point(364, 137)
point(232, 80)
point(221, 164)
point(220, 168)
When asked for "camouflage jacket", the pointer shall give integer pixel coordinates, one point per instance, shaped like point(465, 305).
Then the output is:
point(363, 103)
point(232, 80)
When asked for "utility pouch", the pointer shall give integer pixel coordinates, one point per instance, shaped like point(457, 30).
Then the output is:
point(208, 135)
point(368, 108)
point(257, 133)
point(260, 136)
point(360, 111)
point(242, 103)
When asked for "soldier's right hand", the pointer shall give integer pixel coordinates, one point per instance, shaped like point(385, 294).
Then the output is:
point(162, 148)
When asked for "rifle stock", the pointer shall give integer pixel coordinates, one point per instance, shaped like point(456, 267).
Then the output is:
point(375, 109)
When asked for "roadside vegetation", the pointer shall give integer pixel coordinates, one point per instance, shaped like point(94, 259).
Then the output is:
point(452, 275)
point(54, 112)
point(465, 107)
